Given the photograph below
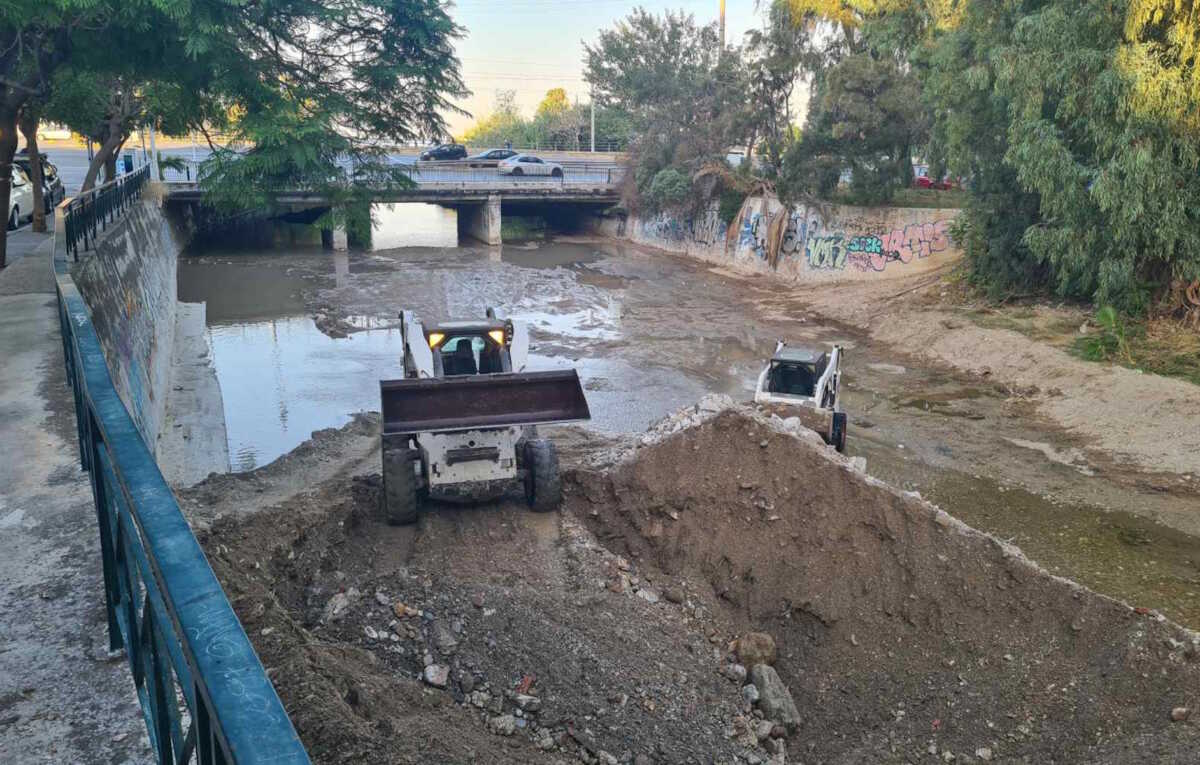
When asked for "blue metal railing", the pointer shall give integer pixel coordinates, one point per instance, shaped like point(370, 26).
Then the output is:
point(92, 211)
point(203, 691)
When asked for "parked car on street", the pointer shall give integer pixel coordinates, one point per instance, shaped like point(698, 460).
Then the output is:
point(52, 186)
point(527, 164)
point(20, 199)
point(494, 154)
point(444, 151)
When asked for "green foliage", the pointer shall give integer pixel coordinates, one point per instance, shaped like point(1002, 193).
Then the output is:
point(1076, 122)
point(556, 124)
point(685, 98)
point(729, 203)
point(1110, 342)
point(669, 188)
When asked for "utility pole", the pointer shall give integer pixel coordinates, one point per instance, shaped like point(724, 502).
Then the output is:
point(722, 26)
point(593, 100)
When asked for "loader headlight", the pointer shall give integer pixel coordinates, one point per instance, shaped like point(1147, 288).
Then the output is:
point(436, 338)
point(497, 335)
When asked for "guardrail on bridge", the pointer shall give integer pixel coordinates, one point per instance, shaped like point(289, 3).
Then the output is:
point(203, 692)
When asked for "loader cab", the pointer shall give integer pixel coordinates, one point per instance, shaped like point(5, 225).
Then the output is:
point(796, 371)
point(470, 348)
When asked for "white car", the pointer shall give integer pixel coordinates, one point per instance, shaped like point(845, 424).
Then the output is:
point(20, 198)
point(527, 164)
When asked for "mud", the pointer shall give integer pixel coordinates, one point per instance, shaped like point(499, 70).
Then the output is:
point(903, 635)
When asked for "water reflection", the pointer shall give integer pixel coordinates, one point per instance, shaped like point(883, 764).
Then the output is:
point(281, 379)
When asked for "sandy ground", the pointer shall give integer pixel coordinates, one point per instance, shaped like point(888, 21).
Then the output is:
point(1143, 420)
point(605, 633)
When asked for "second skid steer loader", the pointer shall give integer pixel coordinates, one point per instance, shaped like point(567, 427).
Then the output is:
point(462, 423)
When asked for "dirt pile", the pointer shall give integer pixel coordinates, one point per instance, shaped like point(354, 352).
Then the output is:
point(625, 629)
point(902, 634)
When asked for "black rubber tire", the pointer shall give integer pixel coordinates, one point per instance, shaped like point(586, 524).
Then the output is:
point(518, 171)
point(543, 487)
point(838, 435)
point(556, 172)
point(14, 219)
point(400, 502)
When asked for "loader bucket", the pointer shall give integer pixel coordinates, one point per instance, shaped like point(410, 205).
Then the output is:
point(470, 402)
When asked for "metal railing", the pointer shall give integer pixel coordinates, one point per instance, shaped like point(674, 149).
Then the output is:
point(203, 692)
point(466, 173)
point(92, 211)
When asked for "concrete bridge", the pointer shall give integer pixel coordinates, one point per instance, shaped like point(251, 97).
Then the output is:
point(476, 190)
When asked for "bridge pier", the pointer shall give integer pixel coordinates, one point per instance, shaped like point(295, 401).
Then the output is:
point(481, 221)
point(334, 239)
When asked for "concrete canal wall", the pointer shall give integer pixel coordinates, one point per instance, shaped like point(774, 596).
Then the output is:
point(804, 243)
point(129, 284)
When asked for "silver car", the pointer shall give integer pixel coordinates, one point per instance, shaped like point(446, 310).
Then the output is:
point(20, 198)
point(527, 164)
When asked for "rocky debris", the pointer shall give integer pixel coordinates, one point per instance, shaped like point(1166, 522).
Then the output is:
point(755, 648)
point(436, 675)
point(984, 753)
point(774, 699)
point(527, 703)
point(339, 604)
point(502, 725)
point(750, 693)
point(1180, 714)
point(735, 672)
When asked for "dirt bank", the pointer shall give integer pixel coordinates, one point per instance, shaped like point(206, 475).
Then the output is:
point(1143, 420)
point(603, 633)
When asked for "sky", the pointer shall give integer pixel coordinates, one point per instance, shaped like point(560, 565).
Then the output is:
point(531, 46)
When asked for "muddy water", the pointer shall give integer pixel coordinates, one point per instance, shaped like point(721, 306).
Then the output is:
point(650, 333)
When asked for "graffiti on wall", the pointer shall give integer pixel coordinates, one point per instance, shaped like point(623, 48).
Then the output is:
point(845, 241)
point(705, 229)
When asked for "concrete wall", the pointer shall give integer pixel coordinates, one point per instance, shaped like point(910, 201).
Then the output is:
point(129, 283)
point(819, 242)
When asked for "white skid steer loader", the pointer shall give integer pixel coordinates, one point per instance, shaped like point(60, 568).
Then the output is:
point(462, 424)
point(806, 383)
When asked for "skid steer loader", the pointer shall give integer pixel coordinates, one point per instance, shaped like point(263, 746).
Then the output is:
point(806, 383)
point(462, 424)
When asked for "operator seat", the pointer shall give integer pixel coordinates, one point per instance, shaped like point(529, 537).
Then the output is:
point(462, 361)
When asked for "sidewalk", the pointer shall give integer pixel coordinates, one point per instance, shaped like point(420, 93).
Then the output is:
point(63, 699)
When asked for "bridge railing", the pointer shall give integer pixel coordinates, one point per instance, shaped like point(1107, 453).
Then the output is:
point(204, 694)
point(464, 172)
point(92, 211)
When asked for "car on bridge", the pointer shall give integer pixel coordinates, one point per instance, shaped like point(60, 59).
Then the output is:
point(527, 164)
point(444, 151)
point(494, 155)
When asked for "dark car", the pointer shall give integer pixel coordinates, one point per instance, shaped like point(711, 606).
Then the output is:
point(52, 186)
point(495, 154)
point(445, 151)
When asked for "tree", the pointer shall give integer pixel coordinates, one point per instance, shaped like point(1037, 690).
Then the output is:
point(866, 114)
point(322, 87)
point(776, 57)
point(555, 104)
point(29, 126)
point(1108, 146)
point(685, 97)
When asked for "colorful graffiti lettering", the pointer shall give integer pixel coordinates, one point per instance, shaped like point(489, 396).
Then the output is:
point(826, 252)
point(918, 239)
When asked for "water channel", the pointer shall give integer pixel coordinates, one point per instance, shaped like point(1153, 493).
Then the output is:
point(650, 333)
